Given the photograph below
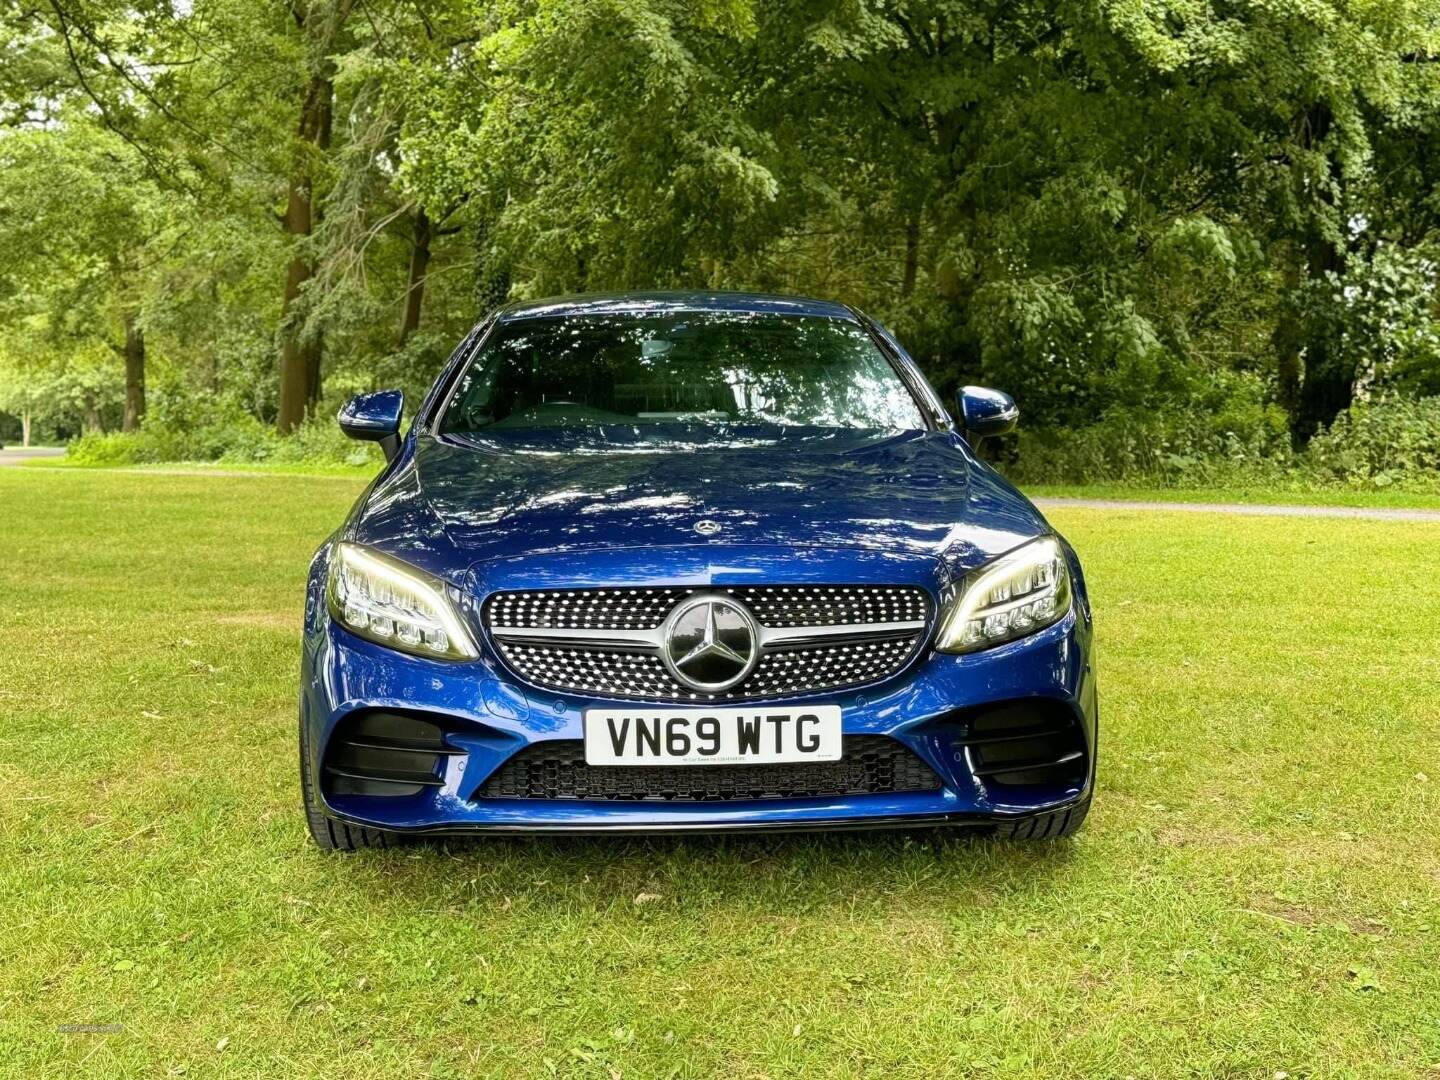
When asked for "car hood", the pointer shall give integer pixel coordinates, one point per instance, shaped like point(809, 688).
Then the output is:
point(453, 502)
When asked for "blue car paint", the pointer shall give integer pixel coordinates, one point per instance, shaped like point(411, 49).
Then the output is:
point(541, 509)
point(372, 416)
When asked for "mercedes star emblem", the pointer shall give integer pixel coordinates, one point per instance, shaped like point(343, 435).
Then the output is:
point(706, 527)
point(709, 642)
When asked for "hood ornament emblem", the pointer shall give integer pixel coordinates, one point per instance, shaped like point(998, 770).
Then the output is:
point(707, 527)
point(709, 642)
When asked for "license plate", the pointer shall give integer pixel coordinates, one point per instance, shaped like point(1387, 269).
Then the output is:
point(711, 736)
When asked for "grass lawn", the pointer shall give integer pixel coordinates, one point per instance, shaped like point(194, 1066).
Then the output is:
point(217, 468)
point(1408, 500)
point(1257, 890)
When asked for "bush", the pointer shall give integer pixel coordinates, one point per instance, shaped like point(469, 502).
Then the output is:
point(1374, 445)
point(234, 441)
point(1378, 444)
point(114, 449)
point(1229, 431)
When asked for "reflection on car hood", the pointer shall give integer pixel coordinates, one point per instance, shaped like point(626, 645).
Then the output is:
point(454, 501)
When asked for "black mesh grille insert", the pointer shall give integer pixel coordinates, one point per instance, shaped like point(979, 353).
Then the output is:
point(872, 765)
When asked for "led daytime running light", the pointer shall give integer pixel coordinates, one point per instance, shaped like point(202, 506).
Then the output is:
point(390, 602)
point(1015, 596)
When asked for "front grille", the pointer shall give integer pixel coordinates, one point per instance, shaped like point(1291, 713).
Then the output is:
point(872, 765)
point(772, 605)
point(606, 641)
point(795, 671)
point(641, 675)
point(595, 671)
point(829, 605)
point(583, 609)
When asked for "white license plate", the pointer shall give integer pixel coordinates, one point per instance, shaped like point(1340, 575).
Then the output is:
point(711, 736)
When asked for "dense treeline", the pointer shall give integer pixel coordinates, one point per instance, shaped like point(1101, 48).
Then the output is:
point(1171, 229)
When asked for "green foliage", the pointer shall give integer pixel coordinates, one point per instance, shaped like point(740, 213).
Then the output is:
point(1228, 430)
point(1238, 441)
point(1381, 319)
point(1380, 444)
point(1119, 212)
point(240, 441)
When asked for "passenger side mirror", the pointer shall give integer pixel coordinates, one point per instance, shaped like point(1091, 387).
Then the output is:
point(986, 412)
point(375, 417)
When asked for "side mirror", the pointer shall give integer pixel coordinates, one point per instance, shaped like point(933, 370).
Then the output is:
point(986, 412)
point(375, 418)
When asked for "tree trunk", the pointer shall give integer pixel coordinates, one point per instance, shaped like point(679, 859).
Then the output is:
point(94, 422)
point(300, 353)
point(24, 427)
point(492, 279)
point(1329, 383)
point(1288, 341)
point(415, 283)
point(134, 373)
point(314, 349)
point(912, 256)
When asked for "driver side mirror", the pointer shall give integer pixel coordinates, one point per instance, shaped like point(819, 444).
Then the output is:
point(986, 412)
point(375, 417)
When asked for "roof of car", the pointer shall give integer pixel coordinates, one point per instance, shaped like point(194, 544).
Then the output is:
point(608, 303)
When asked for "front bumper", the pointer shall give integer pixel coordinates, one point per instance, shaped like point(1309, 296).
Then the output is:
point(932, 708)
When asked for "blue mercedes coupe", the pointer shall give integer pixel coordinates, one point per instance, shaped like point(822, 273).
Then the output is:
point(679, 562)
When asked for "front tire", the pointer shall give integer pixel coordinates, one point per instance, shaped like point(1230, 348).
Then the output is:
point(1052, 826)
point(327, 833)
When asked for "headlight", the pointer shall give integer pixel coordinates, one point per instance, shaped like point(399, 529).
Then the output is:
point(391, 602)
point(1016, 595)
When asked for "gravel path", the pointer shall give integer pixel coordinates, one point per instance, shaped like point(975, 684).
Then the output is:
point(1251, 509)
point(13, 455)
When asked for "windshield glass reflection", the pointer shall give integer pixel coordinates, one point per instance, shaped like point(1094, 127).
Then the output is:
point(627, 377)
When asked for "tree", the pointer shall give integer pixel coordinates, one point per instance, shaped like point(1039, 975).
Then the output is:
point(85, 228)
point(1108, 209)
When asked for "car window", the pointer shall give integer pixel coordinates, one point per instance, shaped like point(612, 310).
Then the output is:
point(690, 367)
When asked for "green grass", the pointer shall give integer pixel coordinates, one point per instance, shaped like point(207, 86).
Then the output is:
point(1255, 892)
point(216, 468)
point(1298, 496)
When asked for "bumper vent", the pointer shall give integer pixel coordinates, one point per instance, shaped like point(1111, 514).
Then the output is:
point(872, 765)
point(1026, 744)
point(384, 753)
point(607, 642)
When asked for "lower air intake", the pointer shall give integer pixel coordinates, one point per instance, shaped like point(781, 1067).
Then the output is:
point(384, 753)
point(872, 765)
point(1026, 744)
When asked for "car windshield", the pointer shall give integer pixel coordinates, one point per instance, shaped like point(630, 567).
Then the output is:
point(691, 367)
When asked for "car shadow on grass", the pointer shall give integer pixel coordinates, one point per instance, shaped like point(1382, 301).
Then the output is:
point(778, 873)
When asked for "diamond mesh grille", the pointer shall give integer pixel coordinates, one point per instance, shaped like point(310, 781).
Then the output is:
point(833, 605)
point(583, 609)
point(826, 666)
point(629, 672)
point(595, 670)
point(872, 764)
